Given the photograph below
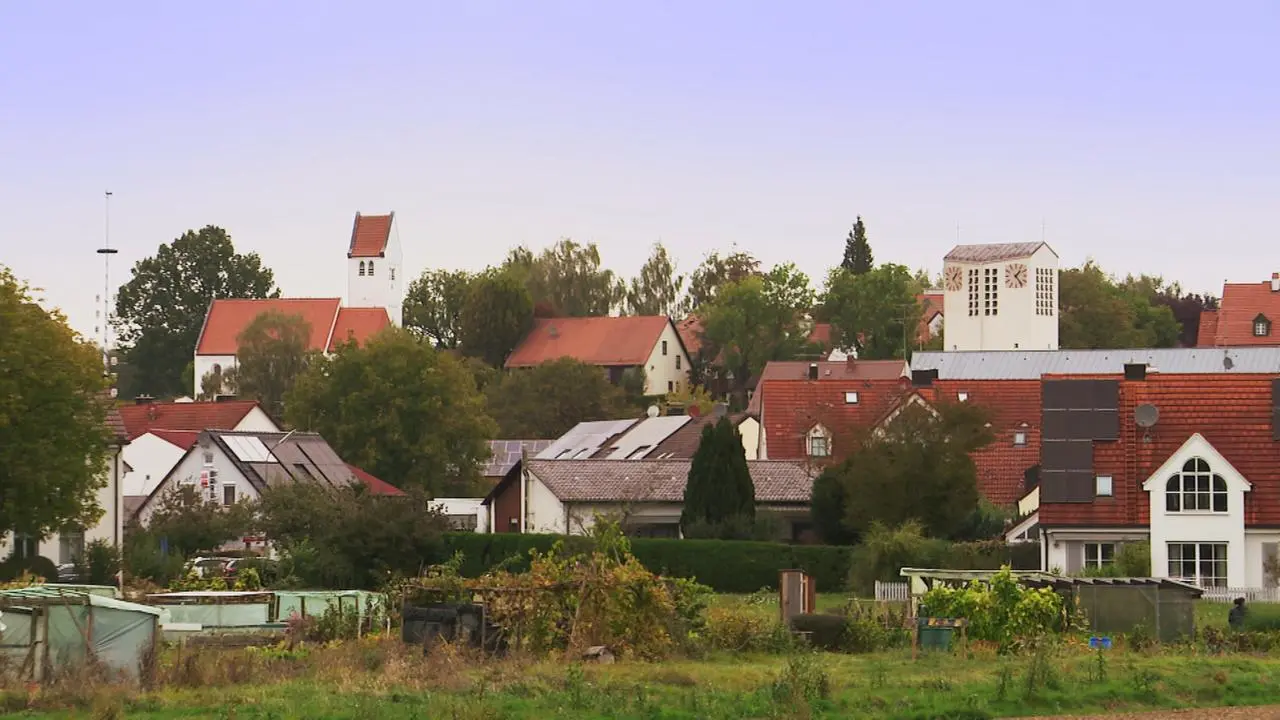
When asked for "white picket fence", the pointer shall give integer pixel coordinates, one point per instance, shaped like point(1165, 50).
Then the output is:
point(893, 591)
point(1228, 595)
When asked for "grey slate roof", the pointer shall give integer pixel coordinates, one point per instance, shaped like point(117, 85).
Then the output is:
point(1032, 364)
point(776, 481)
point(504, 454)
point(994, 251)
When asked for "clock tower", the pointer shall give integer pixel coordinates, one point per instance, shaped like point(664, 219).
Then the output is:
point(1000, 297)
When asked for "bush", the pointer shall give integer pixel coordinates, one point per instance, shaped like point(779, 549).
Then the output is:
point(826, 631)
point(37, 565)
point(100, 564)
point(1001, 610)
point(741, 629)
point(885, 551)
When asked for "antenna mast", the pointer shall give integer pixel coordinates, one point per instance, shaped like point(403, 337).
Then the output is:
point(106, 251)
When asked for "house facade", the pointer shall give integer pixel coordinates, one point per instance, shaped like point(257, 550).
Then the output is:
point(1000, 297)
point(615, 344)
point(1245, 316)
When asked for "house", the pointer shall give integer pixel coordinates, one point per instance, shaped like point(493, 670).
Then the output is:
point(1190, 463)
point(615, 344)
point(1245, 316)
point(1000, 296)
point(504, 454)
point(647, 496)
point(374, 301)
point(68, 544)
point(228, 466)
point(160, 433)
point(463, 514)
point(931, 313)
point(652, 437)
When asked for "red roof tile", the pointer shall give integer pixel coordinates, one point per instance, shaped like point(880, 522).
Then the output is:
point(931, 303)
point(370, 235)
point(827, 370)
point(178, 438)
point(690, 332)
point(1232, 412)
point(358, 324)
point(790, 408)
point(605, 341)
point(191, 416)
point(376, 486)
point(1241, 304)
point(1206, 336)
point(821, 333)
point(228, 318)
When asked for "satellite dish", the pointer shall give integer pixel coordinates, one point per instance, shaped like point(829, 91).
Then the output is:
point(1227, 362)
point(652, 411)
point(1146, 415)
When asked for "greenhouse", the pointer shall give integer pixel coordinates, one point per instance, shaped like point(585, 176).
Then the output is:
point(45, 631)
point(265, 609)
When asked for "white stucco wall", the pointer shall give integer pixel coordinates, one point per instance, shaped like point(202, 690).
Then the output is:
point(151, 458)
point(110, 526)
point(1255, 556)
point(204, 365)
point(1017, 326)
point(189, 468)
point(384, 287)
point(661, 369)
point(544, 513)
point(256, 421)
point(1062, 544)
point(750, 430)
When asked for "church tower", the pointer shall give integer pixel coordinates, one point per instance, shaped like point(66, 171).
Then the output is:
point(1000, 297)
point(374, 265)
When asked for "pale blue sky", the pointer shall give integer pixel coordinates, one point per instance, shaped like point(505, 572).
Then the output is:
point(1143, 134)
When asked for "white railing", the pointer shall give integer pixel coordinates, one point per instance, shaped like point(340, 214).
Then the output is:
point(1228, 595)
point(893, 591)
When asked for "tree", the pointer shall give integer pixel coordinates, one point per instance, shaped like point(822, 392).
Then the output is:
point(758, 319)
point(719, 495)
point(917, 468)
point(547, 400)
point(827, 508)
point(1097, 312)
point(433, 306)
point(497, 315)
point(716, 272)
point(876, 312)
point(191, 524)
point(857, 251)
point(1185, 308)
point(656, 290)
point(273, 352)
point(568, 280)
point(160, 311)
point(54, 441)
point(400, 409)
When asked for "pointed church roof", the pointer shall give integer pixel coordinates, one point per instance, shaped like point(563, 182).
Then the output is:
point(370, 235)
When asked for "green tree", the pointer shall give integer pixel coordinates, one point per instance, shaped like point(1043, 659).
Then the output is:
point(1151, 296)
point(857, 251)
point(54, 441)
point(192, 524)
point(758, 319)
point(433, 306)
point(876, 312)
point(656, 290)
point(160, 310)
point(719, 496)
point(567, 280)
point(827, 508)
point(400, 409)
point(497, 315)
point(273, 352)
point(547, 400)
point(1098, 312)
point(716, 272)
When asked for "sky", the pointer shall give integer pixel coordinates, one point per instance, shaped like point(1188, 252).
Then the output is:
point(1140, 134)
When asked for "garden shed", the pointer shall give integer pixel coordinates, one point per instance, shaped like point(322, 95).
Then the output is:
point(46, 630)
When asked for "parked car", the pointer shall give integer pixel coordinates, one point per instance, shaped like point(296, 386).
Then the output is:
point(266, 567)
point(208, 567)
point(68, 573)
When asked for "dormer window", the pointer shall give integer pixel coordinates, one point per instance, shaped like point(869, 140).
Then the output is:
point(818, 442)
point(370, 268)
point(361, 268)
point(1196, 489)
point(1261, 326)
point(851, 398)
point(1020, 438)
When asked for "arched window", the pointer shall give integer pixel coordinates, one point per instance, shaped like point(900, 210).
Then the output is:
point(361, 268)
point(1196, 489)
point(818, 442)
point(370, 268)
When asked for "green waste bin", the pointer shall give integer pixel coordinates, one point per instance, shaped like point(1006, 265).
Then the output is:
point(934, 637)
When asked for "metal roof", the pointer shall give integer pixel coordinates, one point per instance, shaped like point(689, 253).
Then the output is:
point(992, 252)
point(1032, 364)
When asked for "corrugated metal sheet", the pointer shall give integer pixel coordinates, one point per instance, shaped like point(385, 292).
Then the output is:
point(1032, 364)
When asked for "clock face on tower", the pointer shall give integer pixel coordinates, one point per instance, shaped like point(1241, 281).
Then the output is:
point(953, 279)
point(1015, 275)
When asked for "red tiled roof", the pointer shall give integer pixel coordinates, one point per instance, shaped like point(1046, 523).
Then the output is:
point(115, 423)
point(604, 341)
point(931, 302)
point(827, 370)
point(1232, 412)
point(192, 416)
point(376, 486)
point(178, 438)
point(370, 235)
point(790, 408)
point(1207, 334)
point(821, 333)
point(228, 318)
point(1241, 304)
point(358, 324)
point(690, 332)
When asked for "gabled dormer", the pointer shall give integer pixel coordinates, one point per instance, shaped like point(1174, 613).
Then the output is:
point(1261, 326)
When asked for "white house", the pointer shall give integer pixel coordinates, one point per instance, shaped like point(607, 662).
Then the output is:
point(1000, 297)
point(615, 344)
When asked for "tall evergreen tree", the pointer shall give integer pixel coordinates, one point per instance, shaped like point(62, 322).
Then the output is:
point(719, 492)
point(857, 251)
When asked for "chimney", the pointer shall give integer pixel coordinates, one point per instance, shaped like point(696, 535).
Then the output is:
point(1275, 282)
point(813, 371)
point(1135, 371)
point(144, 400)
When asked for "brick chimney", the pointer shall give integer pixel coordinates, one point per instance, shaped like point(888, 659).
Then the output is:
point(1275, 282)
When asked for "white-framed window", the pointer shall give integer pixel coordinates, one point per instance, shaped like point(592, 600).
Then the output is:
point(1196, 489)
point(361, 268)
point(208, 459)
point(1261, 326)
point(228, 494)
point(25, 546)
point(70, 544)
point(1204, 564)
point(1102, 486)
point(819, 442)
point(851, 398)
point(677, 362)
point(671, 386)
point(1020, 438)
point(1099, 554)
point(370, 268)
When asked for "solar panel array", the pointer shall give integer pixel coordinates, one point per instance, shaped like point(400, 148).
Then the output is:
point(506, 453)
point(584, 439)
point(1076, 414)
point(247, 448)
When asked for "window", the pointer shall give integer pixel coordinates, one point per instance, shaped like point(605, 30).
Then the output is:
point(228, 494)
point(671, 386)
point(1102, 486)
point(677, 362)
point(664, 347)
point(25, 546)
point(1020, 438)
point(1204, 564)
point(990, 284)
point(1196, 489)
point(819, 443)
point(70, 545)
point(973, 292)
point(1097, 555)
point(1261, 326)
point(851, 398)
point(962, 396)
point(208, 458)
point(361, 268)
point(370, 268)
point(1044, 291)
point(392, 272)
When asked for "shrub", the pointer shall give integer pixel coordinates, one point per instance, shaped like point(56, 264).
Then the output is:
point(827, 631)
point(37, 565)
point(1000, 610)
point(746, 630)
point(101, 563)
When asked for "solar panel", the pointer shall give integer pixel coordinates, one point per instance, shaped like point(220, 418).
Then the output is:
point(247, 448)
point(647, 434)
point(585, 436)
